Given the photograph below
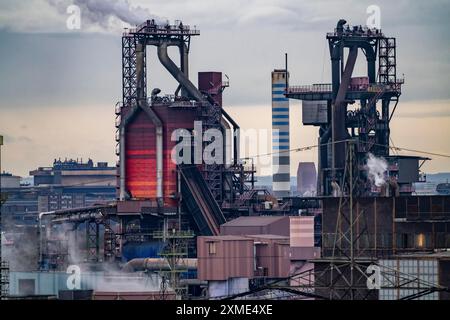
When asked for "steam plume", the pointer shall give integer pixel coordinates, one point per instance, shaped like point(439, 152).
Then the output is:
point(376, 169)
point(101, 12)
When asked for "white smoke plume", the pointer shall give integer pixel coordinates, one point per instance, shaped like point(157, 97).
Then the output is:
point(106, 14)
point(376, 169)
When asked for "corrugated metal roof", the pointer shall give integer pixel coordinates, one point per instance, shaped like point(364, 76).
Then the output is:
point(258, 221)
point(225, 238)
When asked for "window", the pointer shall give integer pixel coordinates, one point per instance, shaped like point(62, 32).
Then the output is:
point(211, 248)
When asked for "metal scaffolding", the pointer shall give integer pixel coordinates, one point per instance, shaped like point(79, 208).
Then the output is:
point(175, 251)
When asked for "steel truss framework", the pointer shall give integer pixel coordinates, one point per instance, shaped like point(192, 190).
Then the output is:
point(175, 251)
point(97, 222)
point(344, 274)
point(215, 175)
point(369, 123)
point(306, 284)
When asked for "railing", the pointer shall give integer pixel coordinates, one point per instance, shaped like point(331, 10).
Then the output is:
point(357, 31)
point(324, 87)
point(149, 28)
point(327, 87)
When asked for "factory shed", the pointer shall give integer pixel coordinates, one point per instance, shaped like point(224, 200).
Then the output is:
point(224, 257)
point(275, 225)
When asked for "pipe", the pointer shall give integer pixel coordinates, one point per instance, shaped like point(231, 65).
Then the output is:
point(122, 193)
point(79, 217)
point(336, 189)
point(42, 214)
point(142, 264)
point(159, 146)
point(184, 66)
point(340, 26)
point(177, 90)
point(159, 162)
point(225, 126)
point(176, 73)
point(140, 60)
point(395, 188)
point(236, 130)
point(339, 131)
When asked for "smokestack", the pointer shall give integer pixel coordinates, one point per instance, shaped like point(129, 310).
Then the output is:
point(281, 180)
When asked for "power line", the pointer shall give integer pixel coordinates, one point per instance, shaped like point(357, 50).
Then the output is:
point(294, 150)
point(306, 148)
point(411, 150)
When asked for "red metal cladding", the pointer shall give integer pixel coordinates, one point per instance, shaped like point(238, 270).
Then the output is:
point(173, 119)
point(140, 155)
point(140, 152)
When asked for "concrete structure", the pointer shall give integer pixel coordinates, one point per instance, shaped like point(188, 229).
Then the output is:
point(281, 185)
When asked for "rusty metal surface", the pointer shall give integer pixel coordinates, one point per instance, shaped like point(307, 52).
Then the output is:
point(233, 257)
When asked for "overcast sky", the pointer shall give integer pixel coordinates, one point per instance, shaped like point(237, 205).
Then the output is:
point(58, 86)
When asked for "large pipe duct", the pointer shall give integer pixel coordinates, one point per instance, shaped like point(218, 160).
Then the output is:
point(122, 192)
point(339, 131)
point(140, 75)
point(236, 132)
point(226, 128)
point(184, 66)
point(142, 264)
point(176, 73)
point(340, 26)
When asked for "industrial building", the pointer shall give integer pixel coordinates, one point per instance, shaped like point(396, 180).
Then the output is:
point(187, 221)
point(65, 185)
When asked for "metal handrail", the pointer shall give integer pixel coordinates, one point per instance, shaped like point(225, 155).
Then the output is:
point(327, 87)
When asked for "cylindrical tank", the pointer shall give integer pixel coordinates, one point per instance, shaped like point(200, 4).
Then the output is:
point(140, 152)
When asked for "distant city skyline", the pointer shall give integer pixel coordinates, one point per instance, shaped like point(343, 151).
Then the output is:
point(59, 86)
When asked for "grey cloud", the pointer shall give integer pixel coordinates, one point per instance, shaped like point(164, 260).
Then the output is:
point(100, 12)
point(245, 39)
